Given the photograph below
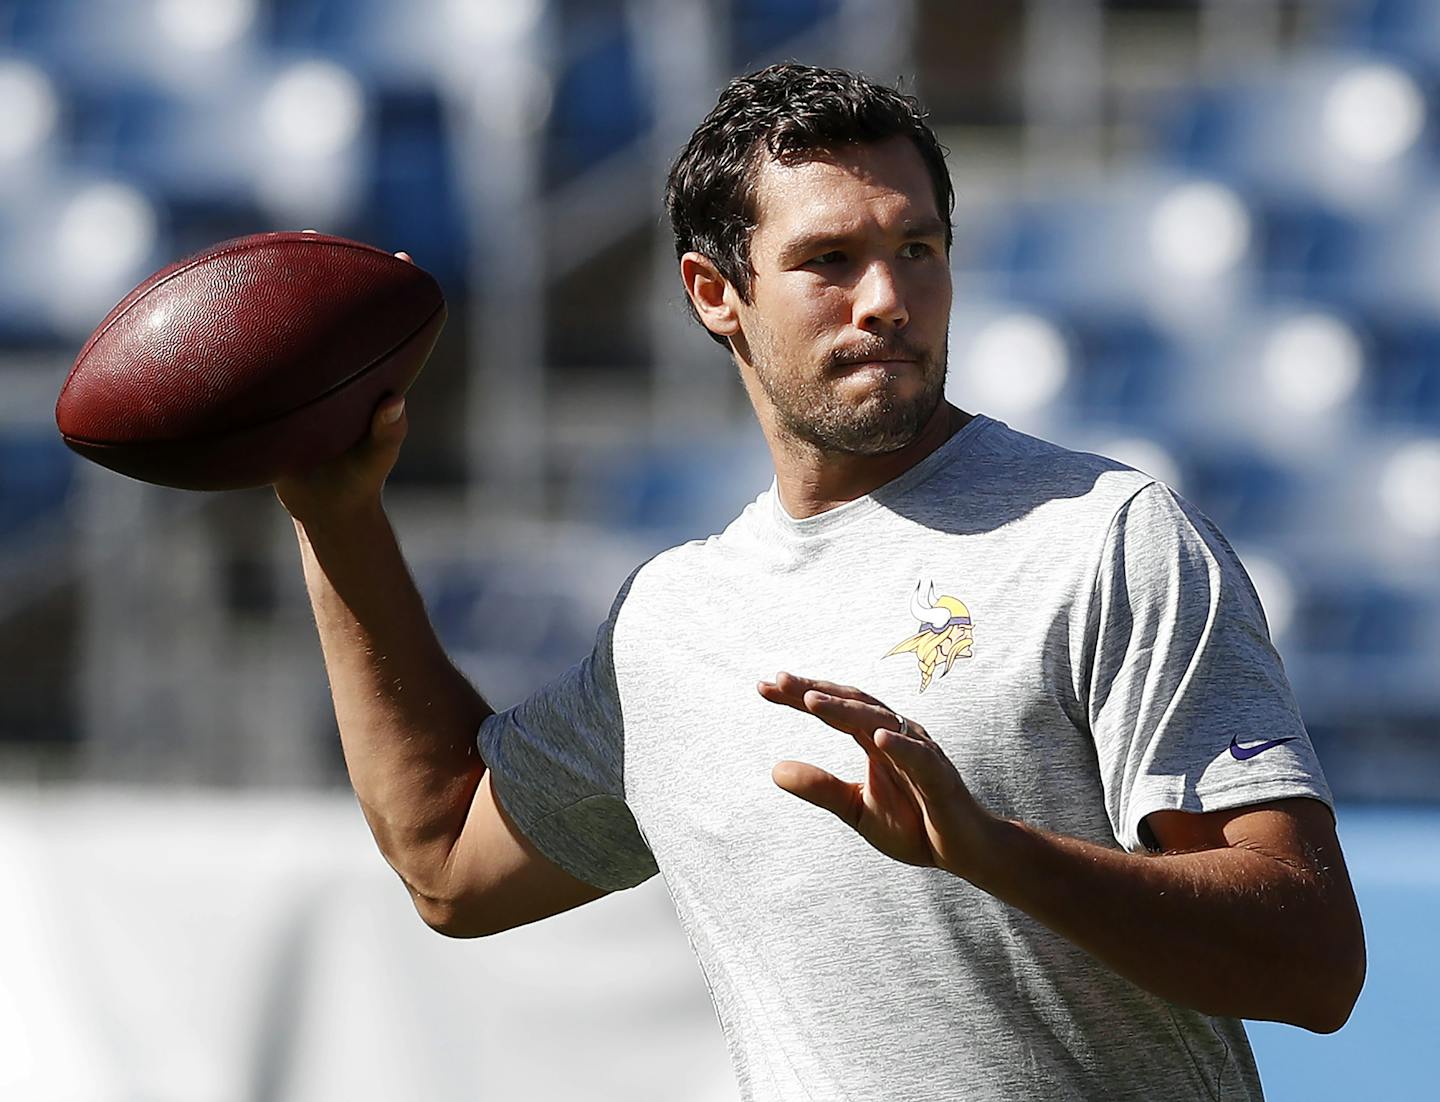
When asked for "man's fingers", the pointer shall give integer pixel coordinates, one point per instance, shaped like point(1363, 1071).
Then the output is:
point(814, 785)
point(790, 690)
point(871, 724)
point(798, 686)
point(789, 694)
point(849, 715)
point(775, 695)
point(833, 712)
point(931, 775)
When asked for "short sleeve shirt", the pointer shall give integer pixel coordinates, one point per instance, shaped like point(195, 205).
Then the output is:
point(1083, 645)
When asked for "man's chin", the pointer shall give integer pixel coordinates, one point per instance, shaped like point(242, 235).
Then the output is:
point(880, 433)
point(879, 443)
point(871, 411)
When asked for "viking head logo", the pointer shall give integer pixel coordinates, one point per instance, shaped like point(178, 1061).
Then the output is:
point(944, 634)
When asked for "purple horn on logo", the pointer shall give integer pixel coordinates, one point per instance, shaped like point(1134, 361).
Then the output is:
point(936, 618)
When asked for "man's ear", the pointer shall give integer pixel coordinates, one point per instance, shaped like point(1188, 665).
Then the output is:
point(710, 294)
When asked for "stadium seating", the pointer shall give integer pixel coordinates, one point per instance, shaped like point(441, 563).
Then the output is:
point(36, 472)
point(600, 104)
point(1408, 30)
point(1253, 200)
point(760, 28)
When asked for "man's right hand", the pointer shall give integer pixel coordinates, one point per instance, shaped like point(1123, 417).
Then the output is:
point(350, 484)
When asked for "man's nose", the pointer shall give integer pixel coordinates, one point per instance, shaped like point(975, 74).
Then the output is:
point(879, 301)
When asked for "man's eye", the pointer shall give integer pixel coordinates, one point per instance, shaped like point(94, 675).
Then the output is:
point(834, 256)
point(915, 250)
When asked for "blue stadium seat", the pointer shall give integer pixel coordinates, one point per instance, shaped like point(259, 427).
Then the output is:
point(1091, 253)
point(760, 28)
point(133, 126)
point(1307, 250)
point(1403, 387)
point(1042, 253)
point(1125, 369)
point(1362, 619)
point(1255, 135)
point(386, 44)
point(58, 34)
point(414, 201)
point(182, 147)
point(20, 324)
point(1245, 494)
point(36, 472)
point(1210, 130)
point(507, 607)
point(1408, 30)
point(1273, 134)
point(106, 43)
point(675, 492)
point(312, 26)
point(43, 303)
point(1016, 246)
point(1384, 265)
point(600, 106)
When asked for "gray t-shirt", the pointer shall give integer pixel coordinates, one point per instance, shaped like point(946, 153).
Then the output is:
point(1091, 651)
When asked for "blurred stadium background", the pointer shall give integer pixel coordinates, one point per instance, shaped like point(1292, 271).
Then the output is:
point(1202, 237)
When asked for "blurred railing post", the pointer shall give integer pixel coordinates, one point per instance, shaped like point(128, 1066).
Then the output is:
point(501, 100)
point(1236, 33)
point(1063, 89)
point(149, 637)
point(876, 38)
point(682, 40)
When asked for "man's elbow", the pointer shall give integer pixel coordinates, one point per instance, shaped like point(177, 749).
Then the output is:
point(1337, 980)
point(1328, 1015)
point(452, 919)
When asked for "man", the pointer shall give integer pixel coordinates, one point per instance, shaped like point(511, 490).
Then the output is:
point(1097, 833)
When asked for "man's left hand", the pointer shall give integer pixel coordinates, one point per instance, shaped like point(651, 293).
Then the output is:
point(1209, 924)
point(912, 806)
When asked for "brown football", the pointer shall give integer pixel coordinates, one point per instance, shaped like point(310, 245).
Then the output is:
point(257, 358)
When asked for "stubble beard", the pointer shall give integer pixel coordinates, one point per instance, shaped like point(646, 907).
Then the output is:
point(811, 408)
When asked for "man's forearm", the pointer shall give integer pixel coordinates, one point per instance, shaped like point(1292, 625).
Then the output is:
point(1248, 913)
point(1226, 931)
point(407, 716)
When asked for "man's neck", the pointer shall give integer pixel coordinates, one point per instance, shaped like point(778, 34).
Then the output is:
point(811, 481)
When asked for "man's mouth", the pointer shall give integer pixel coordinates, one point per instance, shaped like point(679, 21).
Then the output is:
point(878, 362)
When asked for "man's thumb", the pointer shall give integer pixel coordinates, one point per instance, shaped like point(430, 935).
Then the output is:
point(388, 423)
point(814, 785)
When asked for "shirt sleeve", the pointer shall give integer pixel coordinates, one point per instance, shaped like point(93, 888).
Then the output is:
point(1188, 701)
point(557, 766)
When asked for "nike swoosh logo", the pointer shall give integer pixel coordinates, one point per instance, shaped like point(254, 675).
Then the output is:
point(1244, 753)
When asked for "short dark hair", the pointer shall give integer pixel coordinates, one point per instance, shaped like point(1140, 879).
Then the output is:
point(790, 112)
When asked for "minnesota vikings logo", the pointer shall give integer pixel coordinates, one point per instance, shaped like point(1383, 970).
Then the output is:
point(944, 636)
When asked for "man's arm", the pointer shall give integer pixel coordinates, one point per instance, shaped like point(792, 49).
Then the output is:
point(1253, 918)
point(1246, 913)
point(407, 717)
